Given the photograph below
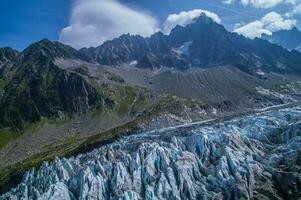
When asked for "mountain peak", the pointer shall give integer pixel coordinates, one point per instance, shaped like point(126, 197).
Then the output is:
point(203, 18)
point(200, 22)
point(45, 44)
point(295, 29)
point(44, 41)
point(52, 50)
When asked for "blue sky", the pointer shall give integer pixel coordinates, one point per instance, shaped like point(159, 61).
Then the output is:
point(24, 22)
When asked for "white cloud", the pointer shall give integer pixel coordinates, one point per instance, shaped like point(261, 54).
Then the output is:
point(187, 17)
point(295, 11)
point(271, 22)
point(252, 30)
point(262, 3)
point(95, 21)
point(228, 1)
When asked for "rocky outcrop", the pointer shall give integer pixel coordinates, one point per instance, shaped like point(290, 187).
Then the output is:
point(7, 55)
point(256, 157)
point(124, 49)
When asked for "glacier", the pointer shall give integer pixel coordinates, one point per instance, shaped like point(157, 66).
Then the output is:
point(248, 157)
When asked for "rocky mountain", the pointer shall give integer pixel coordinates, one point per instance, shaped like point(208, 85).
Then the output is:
point(152, 52)
point(254, 157)
point(206, 44)
point(51, 50)
point(212, 45)
point(34, 87)
point(289, 39)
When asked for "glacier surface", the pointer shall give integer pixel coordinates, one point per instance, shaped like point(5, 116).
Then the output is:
point(252, 157)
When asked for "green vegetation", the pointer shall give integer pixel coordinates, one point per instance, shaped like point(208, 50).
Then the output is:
point(115, 78)
point(69, 147)
point(136, 104)
point(126, 99)
point(5, 137)
point(2, 84)
point(12, 174)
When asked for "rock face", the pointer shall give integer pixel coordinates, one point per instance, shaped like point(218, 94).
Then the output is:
point(7, 55)
point(255, 157)
point(152, 52)
point(210, 45)
point(289, 39)
point(34, 87)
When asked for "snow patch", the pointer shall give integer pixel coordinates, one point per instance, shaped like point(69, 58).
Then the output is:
point(133, 63)
point(260, 73)
point(184, 49)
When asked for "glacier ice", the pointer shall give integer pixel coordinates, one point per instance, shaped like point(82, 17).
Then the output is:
point(252, 157)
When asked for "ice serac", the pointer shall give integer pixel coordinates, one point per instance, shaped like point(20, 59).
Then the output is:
point(254, 157)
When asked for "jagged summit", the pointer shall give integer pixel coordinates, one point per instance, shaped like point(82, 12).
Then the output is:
point(205, 43)
point(210, 45)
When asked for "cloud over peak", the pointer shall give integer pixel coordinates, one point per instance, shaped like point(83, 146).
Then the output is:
point(262, 3)
point(95, 21)
point(187, 17)
point(271, 22)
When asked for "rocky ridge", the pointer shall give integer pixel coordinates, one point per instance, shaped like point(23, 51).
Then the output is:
point(34, 87)
point(206, 43)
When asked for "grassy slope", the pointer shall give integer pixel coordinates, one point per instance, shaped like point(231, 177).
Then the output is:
point(128, 101)
point(5, 137)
